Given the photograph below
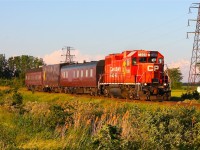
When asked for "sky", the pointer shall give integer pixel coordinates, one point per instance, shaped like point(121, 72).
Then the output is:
point(96, 28)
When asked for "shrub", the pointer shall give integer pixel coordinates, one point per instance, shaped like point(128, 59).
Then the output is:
point(59, 115)
point(17, 98)
point(194, 95)
point(108, 138)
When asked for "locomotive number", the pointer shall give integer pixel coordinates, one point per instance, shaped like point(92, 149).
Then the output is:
point(142, 54)
point(152, 68)
point(113, 75)
point(117, 69)
point(114, 71)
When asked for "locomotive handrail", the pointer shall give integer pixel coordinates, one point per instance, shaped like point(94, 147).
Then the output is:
point(167, 74)
point(120, 78)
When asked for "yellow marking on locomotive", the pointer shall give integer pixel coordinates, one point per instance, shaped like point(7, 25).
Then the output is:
point(44, 76)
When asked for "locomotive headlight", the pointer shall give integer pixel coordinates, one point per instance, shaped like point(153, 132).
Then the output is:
point(145, 84)
point(165, 84)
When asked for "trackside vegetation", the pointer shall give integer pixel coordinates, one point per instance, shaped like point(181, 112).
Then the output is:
point(59, 121)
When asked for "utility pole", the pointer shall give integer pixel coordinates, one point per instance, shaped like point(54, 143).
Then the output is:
point(68, 56)
point(194, 72)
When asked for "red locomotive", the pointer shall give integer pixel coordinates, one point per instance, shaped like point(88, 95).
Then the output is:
point(133, 74)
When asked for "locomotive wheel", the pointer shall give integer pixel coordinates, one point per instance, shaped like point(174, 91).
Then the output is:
point(106, 93)
point(95, 93)
point(92, 93)
point(75, 91)
point(60, 90)
point(162, 98)
point(66, 91)
point(148, 97)
point(130, 95)
point(166, 96)
point(99, 93)
point(71, 91)
point(110, 95)
point(125, 94)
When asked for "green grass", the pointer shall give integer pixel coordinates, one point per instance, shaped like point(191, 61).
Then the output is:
point(52, 97)
point(35, 125)
point(6, 118)
point(178, 92)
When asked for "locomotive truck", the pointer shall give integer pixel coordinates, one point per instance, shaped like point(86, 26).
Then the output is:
point(132, 74)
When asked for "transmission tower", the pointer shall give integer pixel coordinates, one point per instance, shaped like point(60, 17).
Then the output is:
point(68, 56)
point(194, 72)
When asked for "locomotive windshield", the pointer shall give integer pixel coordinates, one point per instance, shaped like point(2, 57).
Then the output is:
point(142, 59)
point(152, 60)
point(147, 60)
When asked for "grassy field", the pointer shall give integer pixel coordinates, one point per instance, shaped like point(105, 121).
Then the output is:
point(178, 92)
point(61, 121)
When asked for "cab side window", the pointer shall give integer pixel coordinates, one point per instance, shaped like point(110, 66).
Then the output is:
point(160, 60)
point(134, 61)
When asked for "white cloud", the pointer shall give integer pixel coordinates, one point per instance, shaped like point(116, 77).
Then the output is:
point(55, 57)
point(81, 57)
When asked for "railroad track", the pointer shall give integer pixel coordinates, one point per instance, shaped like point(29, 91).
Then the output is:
point(189, 103)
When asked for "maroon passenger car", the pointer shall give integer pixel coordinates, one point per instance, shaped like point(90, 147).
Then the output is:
point(51, 77)
point(34, 79)
point(81, 78)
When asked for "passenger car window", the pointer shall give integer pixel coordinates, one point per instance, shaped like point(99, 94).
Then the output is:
point(86, 73)
point(91, 72)
point(77, 74)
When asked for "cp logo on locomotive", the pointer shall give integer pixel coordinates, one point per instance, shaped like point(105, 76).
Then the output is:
point(152, 68)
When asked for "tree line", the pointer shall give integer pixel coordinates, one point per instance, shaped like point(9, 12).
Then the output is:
point(175, 77)
point(15, 67)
